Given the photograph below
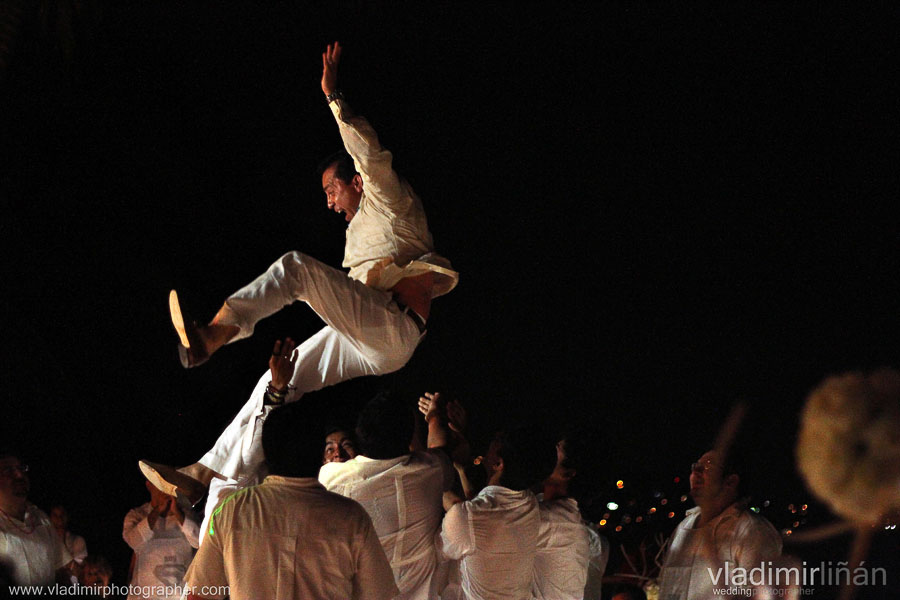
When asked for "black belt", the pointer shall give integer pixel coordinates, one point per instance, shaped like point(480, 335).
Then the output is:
point(416, 317)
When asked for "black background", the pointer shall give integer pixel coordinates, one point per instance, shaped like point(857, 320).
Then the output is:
point(655, 211)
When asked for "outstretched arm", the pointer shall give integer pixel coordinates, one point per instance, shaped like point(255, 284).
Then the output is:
point(380, 183)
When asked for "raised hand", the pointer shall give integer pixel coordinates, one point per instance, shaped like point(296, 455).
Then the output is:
point(430, 405)
point(281, 363)
point(330, 60)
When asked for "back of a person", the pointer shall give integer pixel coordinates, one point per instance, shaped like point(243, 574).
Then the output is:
point(296, 541)
point(403, 497)
point(505, 525)
point(563, 552)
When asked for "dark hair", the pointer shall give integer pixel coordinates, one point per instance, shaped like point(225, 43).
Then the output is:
point(385, 427)
point(346, 169)
point(290, 448)
point(528, 454)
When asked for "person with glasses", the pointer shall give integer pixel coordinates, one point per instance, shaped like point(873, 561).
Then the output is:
point(30, 551)
point(719, 530)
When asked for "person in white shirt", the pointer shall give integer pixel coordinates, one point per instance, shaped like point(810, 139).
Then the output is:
point(717, 531)
point(567, 548)
point(163, 538)
point(75, 544)
point(374, 318)
point(496, 533)
point(401, 490)
point(30, 551)
point(290, 538)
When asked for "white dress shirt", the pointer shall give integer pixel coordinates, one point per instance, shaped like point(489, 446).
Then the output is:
point(736, 536)
point(388, 238)
point(404, 498)
point(563, 552)
point(495, 535)
point(289, 538)
point(30, 550)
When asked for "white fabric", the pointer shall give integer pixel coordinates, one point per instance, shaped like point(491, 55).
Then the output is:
point(76, 546)
point(563, 552)
point(600, 550)
point(495, 534)
point(163, 553)
point(388, 238)
point(290, 538)
point(736, 536)
point(403, 496)
point(31, 557)
point(367, 334)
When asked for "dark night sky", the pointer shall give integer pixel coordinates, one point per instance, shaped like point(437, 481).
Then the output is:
point(655, 211)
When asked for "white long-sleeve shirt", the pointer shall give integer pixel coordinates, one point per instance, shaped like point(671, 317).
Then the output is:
point(388, 238)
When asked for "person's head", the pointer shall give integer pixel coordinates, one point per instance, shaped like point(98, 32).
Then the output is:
point(341, 183)
point(59, 516)
point(716, 481)
point(570, 458)
point(14, 482)
point(339, 445)
point(385, 427)
point(95, 571)
point(289, 448)
point(519, 458)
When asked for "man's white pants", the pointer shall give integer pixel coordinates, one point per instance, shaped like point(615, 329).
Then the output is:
point(366, 333)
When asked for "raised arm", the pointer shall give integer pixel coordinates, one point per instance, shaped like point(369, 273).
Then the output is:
point(432, 407)
point(380, 183)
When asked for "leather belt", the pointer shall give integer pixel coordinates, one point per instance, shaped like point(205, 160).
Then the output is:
point(416, 318)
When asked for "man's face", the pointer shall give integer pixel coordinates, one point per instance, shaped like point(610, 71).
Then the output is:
point(338, 448)
point(706, 477)
point(13, 478)
point(342, 197)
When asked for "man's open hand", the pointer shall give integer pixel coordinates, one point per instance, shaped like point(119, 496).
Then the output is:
point(330, 59)
point(281, 363)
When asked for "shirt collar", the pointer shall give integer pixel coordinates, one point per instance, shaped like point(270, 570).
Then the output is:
point(294, 482)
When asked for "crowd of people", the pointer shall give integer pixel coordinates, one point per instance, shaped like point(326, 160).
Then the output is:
point(388, 510)
point(382, 512)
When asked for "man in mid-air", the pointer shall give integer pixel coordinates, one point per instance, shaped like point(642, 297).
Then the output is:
point(374, 318)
